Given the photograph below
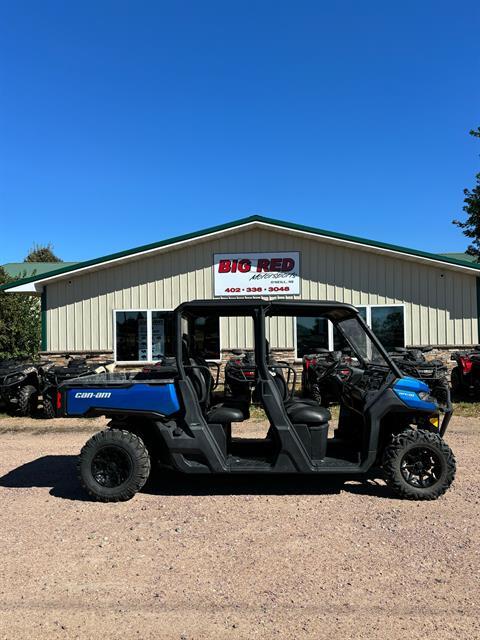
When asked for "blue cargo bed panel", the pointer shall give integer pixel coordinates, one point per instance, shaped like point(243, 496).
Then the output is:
point(156, 396)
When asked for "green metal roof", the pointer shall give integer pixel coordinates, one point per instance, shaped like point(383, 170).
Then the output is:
point(68, 268)
point(461, 256)
point(17, 269)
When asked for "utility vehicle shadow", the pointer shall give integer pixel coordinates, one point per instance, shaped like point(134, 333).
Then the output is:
point(59, 473)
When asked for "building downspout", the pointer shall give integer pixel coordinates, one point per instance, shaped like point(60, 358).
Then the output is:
point(43, 317)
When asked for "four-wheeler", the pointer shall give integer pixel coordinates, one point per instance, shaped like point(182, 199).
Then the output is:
point(19, 386)
point(170, 419)
point(241, 375)
point(322, 377)
point(412, 362)
point(465, 376)
point(51, 376)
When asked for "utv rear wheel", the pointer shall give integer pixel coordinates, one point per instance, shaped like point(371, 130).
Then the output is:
point(27, 401)
point(113, 465)
point(418, 465)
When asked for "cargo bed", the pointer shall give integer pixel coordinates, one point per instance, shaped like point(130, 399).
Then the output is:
point(119, 393)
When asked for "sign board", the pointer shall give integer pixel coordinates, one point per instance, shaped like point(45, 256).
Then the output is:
point(257, 274)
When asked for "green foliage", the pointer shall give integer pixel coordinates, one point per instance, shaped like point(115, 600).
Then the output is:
point(20, 325)
point(471, 226)
point(42, 253)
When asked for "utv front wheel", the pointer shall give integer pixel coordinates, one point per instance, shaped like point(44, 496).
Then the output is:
point(27, 401)
point(418, 465)
point(113, 465)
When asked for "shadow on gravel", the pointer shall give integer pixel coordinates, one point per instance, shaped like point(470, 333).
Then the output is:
point(59, 473)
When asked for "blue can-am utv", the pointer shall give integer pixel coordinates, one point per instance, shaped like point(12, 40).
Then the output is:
point(389, 425)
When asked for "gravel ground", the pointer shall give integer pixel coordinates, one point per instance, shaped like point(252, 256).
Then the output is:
point(204, 558)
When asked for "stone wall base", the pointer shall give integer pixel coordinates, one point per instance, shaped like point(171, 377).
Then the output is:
point(287, 355)
point(60, 357)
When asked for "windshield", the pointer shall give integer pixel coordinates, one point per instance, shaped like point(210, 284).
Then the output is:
point(361, 343)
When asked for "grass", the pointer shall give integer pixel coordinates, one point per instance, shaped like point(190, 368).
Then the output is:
point(257, 414)
point(466, 409)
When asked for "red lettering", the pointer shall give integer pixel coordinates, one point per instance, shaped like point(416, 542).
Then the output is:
point(288, 264)
point(244, 265)
point(224, 266)
point(276, 264)
point(263, 265)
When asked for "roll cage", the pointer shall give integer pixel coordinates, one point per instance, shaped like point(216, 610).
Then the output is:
point(259, 310)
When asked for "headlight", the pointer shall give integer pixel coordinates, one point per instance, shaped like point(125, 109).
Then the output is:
point(424, 395)
point(14, 378)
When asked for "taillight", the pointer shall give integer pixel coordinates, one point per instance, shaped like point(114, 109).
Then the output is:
point(309, 362)
point(466, 364)
point(59, 400)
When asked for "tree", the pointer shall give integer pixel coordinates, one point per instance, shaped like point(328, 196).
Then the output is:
point(20, 324)
point(471, 226)
point(20, 316)
point(42, 253)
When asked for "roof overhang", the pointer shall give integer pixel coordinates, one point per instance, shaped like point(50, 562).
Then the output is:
point(36, 284)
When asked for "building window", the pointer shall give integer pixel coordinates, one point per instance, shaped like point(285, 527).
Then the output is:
point(205, 334)
point(147, 336)
point(131, 336)
point(312, 333)
point(386, 321)
point(388, 325)
point(162, 334)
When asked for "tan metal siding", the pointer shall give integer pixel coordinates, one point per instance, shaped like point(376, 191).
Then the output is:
point(440, 305)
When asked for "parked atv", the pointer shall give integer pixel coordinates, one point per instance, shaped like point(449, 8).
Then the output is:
point(412, 362)
point(322, 377)
point(19, 386)
point(241, 375)
point(52, 376)
point(465, 376)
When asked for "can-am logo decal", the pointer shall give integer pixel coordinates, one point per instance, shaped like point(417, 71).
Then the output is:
point(97, 395)
point(257, 274)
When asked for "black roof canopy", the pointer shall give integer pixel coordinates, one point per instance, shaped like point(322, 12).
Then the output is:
point(246, 307)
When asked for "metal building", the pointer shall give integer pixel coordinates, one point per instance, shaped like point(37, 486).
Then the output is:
point(119, 304)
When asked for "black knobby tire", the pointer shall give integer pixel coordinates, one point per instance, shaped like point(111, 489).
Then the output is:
point(316, 393)
point(418, 465)
point(48, 411)
point(455, 381)
point(27, 400)
point(114, 465)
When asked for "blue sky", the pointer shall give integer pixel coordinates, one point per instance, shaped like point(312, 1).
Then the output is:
point(122, 123)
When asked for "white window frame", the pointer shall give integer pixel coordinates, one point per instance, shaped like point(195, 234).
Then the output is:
point(149, 312)
point(149, 359)
point(368, 319)
point(392, 304)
